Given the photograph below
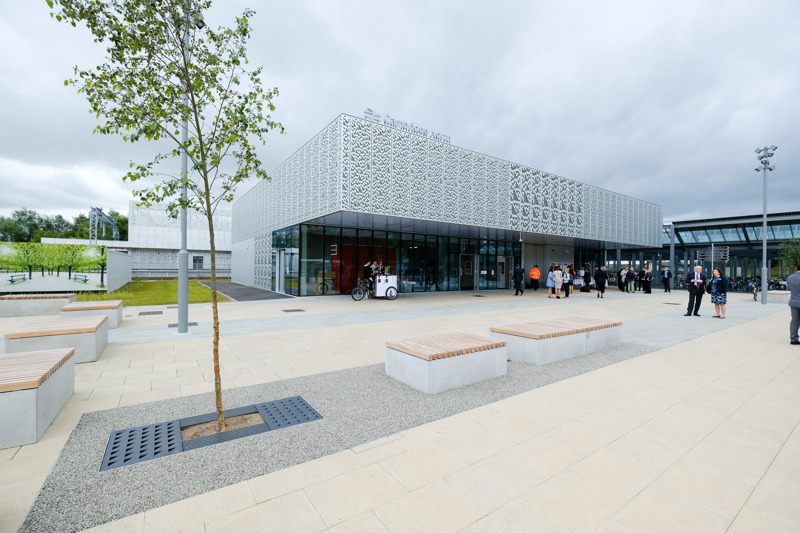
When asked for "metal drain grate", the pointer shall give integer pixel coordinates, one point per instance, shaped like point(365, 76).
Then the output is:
point(479, 295)
point(175, 325)
point(287, 412)
point(134, 445)
point(293, 310)
point(144, 313)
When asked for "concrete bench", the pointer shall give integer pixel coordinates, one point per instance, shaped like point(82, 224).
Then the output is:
point(34, 387)
point(87, 334)
point(110, 308)
point(80, 277)
point(445, 361)
point(16, 277)
point(778, 297)
point(33, 304)
point(547, 341)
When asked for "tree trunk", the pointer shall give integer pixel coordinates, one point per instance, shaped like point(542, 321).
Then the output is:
point(215, 314)
point(30, 272)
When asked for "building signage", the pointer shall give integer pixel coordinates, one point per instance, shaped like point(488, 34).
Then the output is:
point(369, 114)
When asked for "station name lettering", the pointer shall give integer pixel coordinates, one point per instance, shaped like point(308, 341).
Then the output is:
point(410, 127)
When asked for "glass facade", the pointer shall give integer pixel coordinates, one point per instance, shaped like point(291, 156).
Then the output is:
point(318, 259)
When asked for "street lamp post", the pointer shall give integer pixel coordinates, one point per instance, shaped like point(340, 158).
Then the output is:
point(192, 18)
point(763, 157)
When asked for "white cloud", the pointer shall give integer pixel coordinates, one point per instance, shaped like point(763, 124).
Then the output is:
point(655, 100)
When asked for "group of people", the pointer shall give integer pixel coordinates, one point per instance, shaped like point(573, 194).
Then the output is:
point(717, 287)
point(562, 282)
point(629, 280)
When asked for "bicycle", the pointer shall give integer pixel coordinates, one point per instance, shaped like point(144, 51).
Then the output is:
point(360, 290)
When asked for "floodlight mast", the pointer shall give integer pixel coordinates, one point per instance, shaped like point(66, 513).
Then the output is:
point(763, 156)
point(193, 18)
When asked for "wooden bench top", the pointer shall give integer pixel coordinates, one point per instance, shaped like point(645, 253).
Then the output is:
point(547, 329)
point(444, 345)
point(58, 326)
point(92, 306)
point(28, 370)
point(35, 296)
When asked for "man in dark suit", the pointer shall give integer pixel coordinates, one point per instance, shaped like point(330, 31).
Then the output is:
point(518, 276)
point(665, 277)
point(697, 286)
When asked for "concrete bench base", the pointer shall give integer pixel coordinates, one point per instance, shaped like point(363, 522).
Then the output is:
point(439, 375)
point(545, 351)
point(779, 297)
point(112, 310)
point(26, 414)
point(34, 305)
point(88, 345)
point(547, 341)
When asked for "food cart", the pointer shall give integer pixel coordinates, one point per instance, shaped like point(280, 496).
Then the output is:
point(386, 286)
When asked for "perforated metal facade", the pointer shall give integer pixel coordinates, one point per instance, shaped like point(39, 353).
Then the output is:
point(360, 166)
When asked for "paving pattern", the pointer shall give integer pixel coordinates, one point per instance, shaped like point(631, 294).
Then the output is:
point(691, 426)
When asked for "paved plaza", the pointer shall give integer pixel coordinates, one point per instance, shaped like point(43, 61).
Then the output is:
point(691, 425)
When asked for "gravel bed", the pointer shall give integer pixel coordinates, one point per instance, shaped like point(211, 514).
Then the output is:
point(359, 406)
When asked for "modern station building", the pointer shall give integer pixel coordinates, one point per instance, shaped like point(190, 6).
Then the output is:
point(441, 217)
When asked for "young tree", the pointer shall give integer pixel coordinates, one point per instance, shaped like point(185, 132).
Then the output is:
point(163, 70)
point(789, 252)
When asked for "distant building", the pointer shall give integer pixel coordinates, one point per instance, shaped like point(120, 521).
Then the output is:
point(154, 240)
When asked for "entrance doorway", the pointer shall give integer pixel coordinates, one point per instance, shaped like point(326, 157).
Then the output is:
point(505, 271)
point(502, 273)
point(467, 276)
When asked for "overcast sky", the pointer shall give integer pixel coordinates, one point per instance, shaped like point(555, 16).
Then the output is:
point(664, 101)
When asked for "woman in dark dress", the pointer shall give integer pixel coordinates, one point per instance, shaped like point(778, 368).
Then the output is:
point(719, 292)
point(600, 278)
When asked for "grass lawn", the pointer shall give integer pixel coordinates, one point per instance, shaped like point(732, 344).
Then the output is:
point(159, 292)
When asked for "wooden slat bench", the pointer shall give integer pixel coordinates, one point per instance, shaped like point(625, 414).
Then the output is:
point(88, 335)
point(110, 308)
point(445, 361)
point(34, 387)
point(33, 304)
point(547, 341)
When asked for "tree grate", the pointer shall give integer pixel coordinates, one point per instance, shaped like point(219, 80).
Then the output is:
point(175, 325)
point(146, 313)
point(293, 310)
point(134, 445)
point(287, 412)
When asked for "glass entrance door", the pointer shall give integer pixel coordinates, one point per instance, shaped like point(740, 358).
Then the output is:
point(502, 275)
point(467, 274)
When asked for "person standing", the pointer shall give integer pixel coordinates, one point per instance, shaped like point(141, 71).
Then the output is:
point(719, 292)
point(621, 278)
point(600, 279)
point(518, 275)
point(630, 278)
point(551, 283)
point(697, 285)
point(558, 280)
point(648, 281)
point(793, 284)
point(666, 275)
point(535, 274)
point(566, 281)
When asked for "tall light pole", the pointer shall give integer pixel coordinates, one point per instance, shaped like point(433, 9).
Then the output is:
point(763, 157)
point(193, 18)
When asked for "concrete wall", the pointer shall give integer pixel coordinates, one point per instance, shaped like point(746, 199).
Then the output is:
point(242, 260)
point(119, 270)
